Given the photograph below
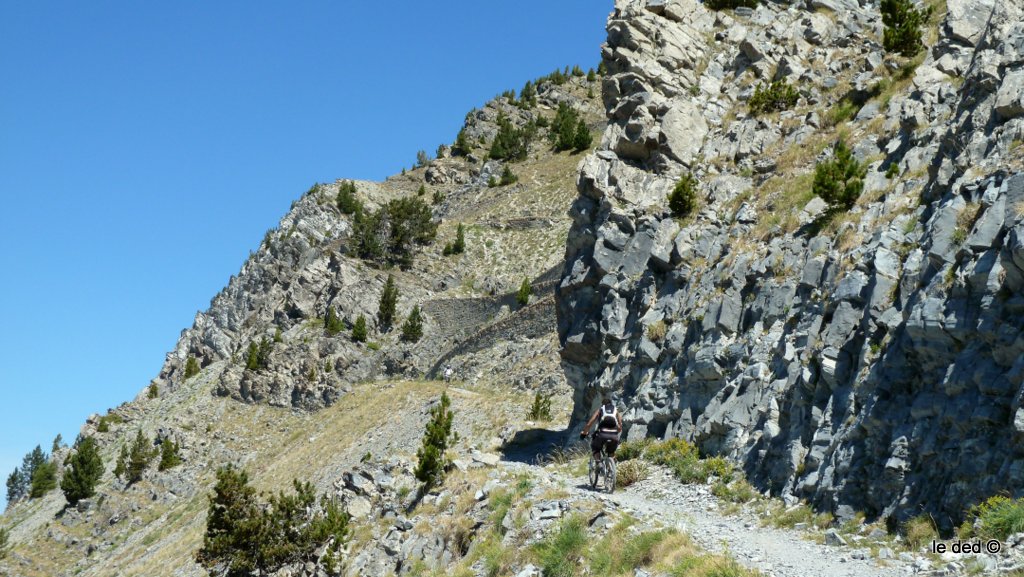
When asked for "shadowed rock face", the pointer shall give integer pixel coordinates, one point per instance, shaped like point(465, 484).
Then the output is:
point(874, 363)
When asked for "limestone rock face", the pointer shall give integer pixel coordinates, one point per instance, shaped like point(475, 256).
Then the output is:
point(872, 362)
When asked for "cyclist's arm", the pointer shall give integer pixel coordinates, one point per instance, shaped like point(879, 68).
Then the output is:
point(618, 416)
point(591, 421)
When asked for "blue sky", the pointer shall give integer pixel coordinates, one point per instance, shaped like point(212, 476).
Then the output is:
point(146, 147)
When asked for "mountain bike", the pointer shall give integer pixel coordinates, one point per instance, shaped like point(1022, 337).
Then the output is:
point(602, 469)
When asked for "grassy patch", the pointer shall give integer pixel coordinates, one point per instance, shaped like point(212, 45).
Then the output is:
point(920, 531)
point(997, 518)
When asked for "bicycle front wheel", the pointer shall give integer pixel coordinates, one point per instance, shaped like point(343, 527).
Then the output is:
point(593, 472)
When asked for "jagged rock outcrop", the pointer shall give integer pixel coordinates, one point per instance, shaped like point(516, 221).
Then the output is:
point(874, 362)
point(305, 267)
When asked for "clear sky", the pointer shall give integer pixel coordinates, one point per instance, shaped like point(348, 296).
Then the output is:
point(145, 148)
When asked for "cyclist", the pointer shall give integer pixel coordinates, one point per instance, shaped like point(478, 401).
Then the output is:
point(608, 428)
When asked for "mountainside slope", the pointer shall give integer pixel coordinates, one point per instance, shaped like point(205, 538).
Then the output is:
point(867, 360)
point(304, 268)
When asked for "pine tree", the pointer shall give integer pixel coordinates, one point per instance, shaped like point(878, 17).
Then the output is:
point(431, 459)
point(525, 290)
point(244, 536)
point(388, 302)
point(83, 471)
point(234, 525)
point(15, 486)
point(591, 76)
point(564, 127)
point(903, 24)
point(359, 330)
point(507, 176)
point(346, 199)
point(278, 337)
point(153, 391)
point(58, 443)
point(191, 367)
point(840, 180)
point(139, 458)
point(44, 480)
point(422, 190)
point(121, 468)
point(169, 455)
point(333, 323)
point(459, 246)
point(412, 330)
point(528, 95)
point(252, 358)
point(582, 139)
point(683, 198)
point(462, 145)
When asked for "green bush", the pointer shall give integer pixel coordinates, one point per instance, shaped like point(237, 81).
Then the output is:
point(431, 459)
point(103, 426)
point(139, 457)
point(191, 367)
point(346, 199)
point(564, 128)
point(560, 553)
point(245, 536)
point(170, 455)
point(121, 467)
point(258, 356)
point(278, 337)
point(462, 145)
point(44, 480)
point(528, 95)
point(333, 323)
point(723, 4)
point(683, 199)
point(582, 139)
point(776, 97)
point(459, 246)
point(82, 472)
point(839, 180)
point(632, 449)
point(152, 391)
point(4, 542)
point(388, 235)
point(412, 329)
point(541, 408)
point(508, 177)
point(523, 295)
point(903, 24)
point(388, 302)
point(998, 517)
point(510, 143)
point(359, 330)
point(630, 472)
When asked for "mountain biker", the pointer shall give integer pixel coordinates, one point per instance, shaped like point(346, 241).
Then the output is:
point(609, 428)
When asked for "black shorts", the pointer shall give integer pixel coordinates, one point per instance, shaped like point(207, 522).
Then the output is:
point(609, 439)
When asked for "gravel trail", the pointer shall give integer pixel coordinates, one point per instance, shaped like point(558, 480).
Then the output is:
point(774, 552)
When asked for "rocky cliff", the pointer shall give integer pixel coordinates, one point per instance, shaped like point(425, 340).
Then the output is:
point(868, 361)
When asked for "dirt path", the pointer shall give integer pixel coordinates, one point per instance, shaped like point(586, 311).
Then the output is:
point(774, 552)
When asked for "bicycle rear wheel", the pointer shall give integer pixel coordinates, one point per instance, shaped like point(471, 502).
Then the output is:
point(609, 474)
